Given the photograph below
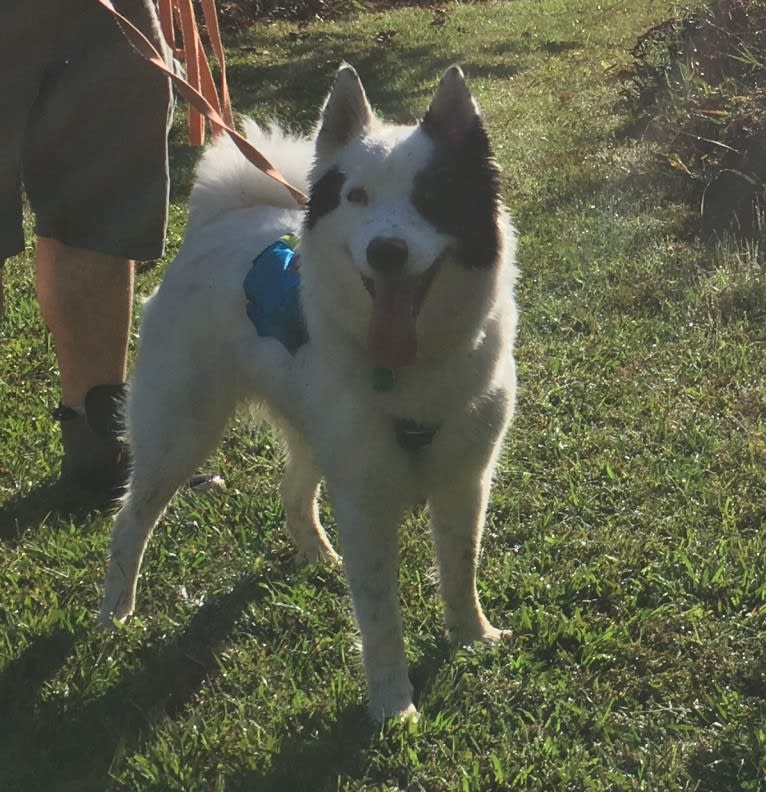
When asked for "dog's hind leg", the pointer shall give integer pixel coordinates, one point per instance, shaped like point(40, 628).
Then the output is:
point(457, 521)
point(299, 490)
point(172, 428)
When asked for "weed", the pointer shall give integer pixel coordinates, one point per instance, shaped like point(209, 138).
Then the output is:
point(696, 88)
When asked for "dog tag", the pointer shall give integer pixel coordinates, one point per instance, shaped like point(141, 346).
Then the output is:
point(382, 379)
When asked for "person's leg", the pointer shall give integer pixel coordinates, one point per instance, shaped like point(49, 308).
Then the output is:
point(96, 175)
point(86, 299)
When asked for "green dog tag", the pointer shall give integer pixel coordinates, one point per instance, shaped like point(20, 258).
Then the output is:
point(382, 379)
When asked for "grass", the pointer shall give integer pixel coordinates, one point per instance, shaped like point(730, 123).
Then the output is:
point(625, 544)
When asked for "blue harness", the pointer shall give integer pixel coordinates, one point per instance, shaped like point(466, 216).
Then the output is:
point(271, 288)
point(272, 291)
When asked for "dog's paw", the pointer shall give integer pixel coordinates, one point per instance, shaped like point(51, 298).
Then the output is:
point(479, 633)
point(493, 635)
point(311, 543)
point(407, 714)
point(319, 553)
point(114, 608)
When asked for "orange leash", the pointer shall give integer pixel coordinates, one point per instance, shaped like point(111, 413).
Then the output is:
point(200, 91)
point(211, 20)
point(197, 68)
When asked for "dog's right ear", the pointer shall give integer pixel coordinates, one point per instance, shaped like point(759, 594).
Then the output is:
point(453, 114)
point(345, 114)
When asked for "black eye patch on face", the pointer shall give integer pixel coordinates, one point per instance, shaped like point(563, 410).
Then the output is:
point(325, 196)
point(458, 191)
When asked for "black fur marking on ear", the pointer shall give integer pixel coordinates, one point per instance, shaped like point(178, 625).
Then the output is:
point(458, 192)
point(325, 196)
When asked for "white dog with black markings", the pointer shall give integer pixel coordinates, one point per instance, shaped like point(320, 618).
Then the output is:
point(386, 361)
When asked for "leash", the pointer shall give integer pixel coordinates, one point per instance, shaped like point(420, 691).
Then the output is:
point(217, 116)
point(193, 54)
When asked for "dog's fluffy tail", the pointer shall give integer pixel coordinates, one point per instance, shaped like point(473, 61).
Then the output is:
point(226, 181)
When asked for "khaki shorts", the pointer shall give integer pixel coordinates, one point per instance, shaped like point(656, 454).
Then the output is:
point(83, 127)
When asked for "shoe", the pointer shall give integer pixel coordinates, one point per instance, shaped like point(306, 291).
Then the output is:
point(95, 458)
point(94, 469)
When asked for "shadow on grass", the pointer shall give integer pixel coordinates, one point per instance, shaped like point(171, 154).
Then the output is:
point(46, 749)
point(400, 80)
point(183, 160)
point(21, 682)
point(42, 747)
point(318, 752)
point(22, 679)
point(296, 91)
point(48, 500)
point(315, 753)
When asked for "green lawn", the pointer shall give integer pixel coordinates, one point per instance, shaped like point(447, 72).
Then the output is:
point(625, 544)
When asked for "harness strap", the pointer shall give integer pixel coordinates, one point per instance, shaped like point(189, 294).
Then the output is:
point(199, 102)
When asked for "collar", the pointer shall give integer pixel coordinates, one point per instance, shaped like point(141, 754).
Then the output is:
point(412, 436)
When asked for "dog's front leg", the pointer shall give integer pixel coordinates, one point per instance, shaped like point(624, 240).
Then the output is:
point(457, 522)
point(369, 541)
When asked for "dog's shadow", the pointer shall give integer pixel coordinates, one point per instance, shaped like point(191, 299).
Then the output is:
point(314, 752)
point(78, 745)
point(317, 753)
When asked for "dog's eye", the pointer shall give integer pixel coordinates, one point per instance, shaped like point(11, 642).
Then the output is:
point(357, 195)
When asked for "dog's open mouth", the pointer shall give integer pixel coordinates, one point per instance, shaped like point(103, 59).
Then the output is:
point(396, 302)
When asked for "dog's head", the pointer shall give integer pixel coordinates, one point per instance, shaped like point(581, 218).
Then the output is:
point(391, 208)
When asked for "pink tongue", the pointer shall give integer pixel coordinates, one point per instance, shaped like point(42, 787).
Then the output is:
point(391, 339)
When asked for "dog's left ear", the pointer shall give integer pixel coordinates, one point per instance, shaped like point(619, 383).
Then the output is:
point(345, 114)
point(453, 112)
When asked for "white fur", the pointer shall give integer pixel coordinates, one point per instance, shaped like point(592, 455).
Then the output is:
point(200, 357)
point(224, 182)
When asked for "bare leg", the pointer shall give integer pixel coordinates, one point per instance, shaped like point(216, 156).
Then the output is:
point(86, 300)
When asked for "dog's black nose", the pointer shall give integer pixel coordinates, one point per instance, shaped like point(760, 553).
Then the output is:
point(387, 255)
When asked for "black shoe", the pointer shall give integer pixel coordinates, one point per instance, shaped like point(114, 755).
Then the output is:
point(95, 456)
point(94, 468)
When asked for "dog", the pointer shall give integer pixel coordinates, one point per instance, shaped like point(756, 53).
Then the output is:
point(392, 377)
